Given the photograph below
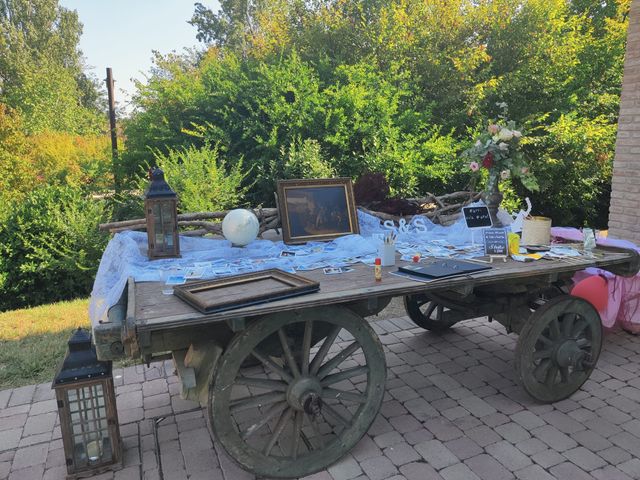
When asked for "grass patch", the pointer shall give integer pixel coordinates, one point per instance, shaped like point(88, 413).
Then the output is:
point(34, 340)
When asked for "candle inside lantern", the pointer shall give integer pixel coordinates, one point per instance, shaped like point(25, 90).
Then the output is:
point(93, 450)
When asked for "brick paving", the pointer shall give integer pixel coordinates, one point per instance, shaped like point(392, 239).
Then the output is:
point(452, 410)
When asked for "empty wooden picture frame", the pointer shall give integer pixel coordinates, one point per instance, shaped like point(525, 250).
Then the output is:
point(218, 295)
point(316, 209)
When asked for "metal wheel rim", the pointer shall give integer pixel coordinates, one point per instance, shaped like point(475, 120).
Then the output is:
point(558, 348)
point(225, 377)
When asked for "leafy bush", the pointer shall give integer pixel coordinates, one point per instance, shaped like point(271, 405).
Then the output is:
point(304, 159)
point(50, 247)
point(202, 179)
point(573, 161)
point(67, 159)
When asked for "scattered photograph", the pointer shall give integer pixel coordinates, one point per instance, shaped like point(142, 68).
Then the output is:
point(176, 280)
point(336, 270)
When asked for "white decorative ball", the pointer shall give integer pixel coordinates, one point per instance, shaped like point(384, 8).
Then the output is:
point(240, 227)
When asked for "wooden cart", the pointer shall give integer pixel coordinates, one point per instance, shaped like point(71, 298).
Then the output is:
point(292, 385)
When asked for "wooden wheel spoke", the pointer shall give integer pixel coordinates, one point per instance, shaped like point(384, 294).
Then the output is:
point(271, 365)
point(255, 401)
point(567, 323)
point(277, 431)
point(429, 311)
point(265, 383)
point(343, 375)
point(583, 343)
point(554, 329)
point(316, 431)
point(342, 395)
point(579, 328)
point(306, 440)
point(546, 340)
point(306, 347)
point(541, 354)
point(541, 370)
point(335, 415)
point(420, 300)
point(324, 349)
point(550, 377)
point(267, 416)
point(440, 313)
point(564, 374)
point(284, 341)
point(297, 430)
point(337, 360)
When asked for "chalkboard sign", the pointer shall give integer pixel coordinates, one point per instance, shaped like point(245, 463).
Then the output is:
point(495, 242)
point(477, 217)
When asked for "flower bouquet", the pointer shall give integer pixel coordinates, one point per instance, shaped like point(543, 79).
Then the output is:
point(497, 150)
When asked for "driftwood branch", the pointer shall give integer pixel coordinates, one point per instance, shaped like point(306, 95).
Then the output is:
point(444, 209)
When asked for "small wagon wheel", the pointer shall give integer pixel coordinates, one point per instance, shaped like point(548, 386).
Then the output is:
point(558, 348)
point(426, 313)
point(308, 402)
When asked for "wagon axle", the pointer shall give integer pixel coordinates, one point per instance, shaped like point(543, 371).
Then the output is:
point(569, 354)
point(304, 394)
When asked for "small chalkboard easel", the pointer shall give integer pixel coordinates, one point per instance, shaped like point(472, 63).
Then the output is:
point(496, 244)
point(476, 218)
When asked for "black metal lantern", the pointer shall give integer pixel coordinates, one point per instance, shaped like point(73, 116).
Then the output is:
point(161, 212)
point(87, 409)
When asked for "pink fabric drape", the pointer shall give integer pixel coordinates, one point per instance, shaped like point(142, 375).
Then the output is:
point(623, 308)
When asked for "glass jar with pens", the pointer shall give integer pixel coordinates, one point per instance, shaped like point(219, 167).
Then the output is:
point(387, 250)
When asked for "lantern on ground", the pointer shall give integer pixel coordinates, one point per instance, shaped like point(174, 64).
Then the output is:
point(87, 409)
point(161, 213)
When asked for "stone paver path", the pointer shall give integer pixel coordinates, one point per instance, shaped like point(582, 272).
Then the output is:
point(452, 410)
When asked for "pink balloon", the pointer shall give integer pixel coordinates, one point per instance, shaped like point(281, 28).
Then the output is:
point(594, 290)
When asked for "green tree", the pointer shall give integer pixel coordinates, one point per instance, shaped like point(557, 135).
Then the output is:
point(41, 69)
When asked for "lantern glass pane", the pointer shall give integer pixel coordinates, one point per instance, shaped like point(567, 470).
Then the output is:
point(167, 223)
point(89, 425)
point(157, 227)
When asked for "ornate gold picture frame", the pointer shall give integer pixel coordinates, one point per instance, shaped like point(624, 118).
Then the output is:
point(316, 209)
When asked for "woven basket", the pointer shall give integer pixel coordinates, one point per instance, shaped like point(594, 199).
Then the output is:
point(536, 231)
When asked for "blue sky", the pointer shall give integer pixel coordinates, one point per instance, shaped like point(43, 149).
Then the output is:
point(121, 34)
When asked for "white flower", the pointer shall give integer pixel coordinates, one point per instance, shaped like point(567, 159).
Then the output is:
point(505, 174)
point(503, 146)
point(517, 133)
point(478, 143)
point(505, 134)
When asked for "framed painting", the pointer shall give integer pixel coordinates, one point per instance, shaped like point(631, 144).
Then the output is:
point(317, 209)
point(219, 295)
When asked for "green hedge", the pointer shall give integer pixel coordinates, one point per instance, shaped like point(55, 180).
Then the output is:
point(50, 247)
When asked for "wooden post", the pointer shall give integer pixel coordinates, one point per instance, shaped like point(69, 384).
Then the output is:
point(112, 127)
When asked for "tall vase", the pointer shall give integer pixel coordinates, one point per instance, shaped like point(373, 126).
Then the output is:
point(492, 197)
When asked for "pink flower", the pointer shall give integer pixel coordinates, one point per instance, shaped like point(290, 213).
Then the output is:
point(474, 166)
point(493, 129)
point(524, 170)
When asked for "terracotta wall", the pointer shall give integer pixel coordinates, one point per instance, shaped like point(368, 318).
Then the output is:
point(624, 211)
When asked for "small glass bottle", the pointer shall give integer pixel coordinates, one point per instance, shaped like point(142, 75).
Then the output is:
point(377, 269)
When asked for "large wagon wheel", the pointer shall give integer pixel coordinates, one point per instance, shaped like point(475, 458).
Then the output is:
point(558, 348)
point(426, 313)
point(308, 402)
